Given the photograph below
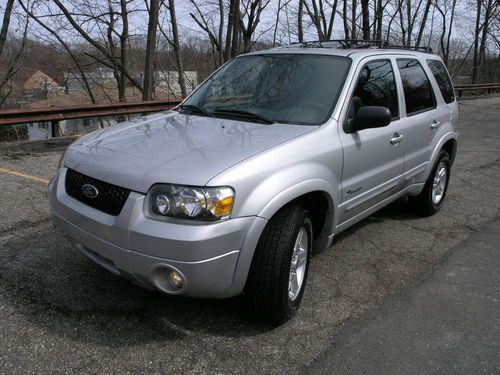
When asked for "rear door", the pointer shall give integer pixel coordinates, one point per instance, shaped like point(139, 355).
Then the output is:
point(423, 117)
point(373, 158)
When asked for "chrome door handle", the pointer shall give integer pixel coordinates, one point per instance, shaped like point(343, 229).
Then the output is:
point(396, 138)
point(435, 125)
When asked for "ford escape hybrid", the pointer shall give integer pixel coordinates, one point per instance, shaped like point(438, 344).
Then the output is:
point(271, 157)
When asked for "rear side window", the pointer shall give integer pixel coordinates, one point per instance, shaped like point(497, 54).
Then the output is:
point(419, 96)
point(377, 86)
point(443, 79)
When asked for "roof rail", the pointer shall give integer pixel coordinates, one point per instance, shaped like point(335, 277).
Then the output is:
point(354, 44)
point(416, 48)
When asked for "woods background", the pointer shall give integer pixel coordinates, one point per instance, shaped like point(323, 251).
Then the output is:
point(130, 42)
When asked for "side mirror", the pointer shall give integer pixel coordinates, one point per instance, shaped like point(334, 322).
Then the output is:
point(369, 117)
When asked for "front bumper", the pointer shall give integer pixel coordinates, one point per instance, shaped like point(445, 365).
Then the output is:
point(213, 259)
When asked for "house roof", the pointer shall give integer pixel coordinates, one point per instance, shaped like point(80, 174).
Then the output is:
point(37, 80)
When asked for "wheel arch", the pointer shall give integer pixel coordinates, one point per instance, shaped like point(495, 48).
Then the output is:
point(317, 197)
point(313, 197)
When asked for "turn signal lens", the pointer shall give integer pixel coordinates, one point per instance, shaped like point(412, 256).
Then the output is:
point(223, 207)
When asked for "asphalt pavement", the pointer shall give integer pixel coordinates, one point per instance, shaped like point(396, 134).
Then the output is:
point(449, 324)
point(61, 313)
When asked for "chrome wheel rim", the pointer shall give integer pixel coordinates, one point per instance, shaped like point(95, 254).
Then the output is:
point(298, 264)
point(439, 183)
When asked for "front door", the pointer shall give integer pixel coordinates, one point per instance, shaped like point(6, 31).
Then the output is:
point(373, 158)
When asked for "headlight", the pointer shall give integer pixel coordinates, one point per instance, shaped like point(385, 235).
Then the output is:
point(189, 202)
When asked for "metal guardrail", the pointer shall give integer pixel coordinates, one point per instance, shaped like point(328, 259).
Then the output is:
point(488, 87)
point(56, 114)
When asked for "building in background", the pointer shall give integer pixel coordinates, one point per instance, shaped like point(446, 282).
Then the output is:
point(41, 86)
point(102, 77)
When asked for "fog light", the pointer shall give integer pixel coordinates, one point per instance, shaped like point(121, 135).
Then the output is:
point(175, 279)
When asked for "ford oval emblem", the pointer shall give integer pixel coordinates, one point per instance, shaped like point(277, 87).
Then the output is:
point(90, 191)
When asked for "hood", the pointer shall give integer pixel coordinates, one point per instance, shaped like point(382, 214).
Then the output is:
point(172, 148)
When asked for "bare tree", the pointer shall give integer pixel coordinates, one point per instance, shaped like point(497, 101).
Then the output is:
point(119, 64)
point(10, 69)
point(477, 31)
point(5, 23)
point(249, 19)
point(300, 26)
point(365, 16)
point(447, 17)
point(423, 22)
point(154, 8)
point(204, 20)
point(321, 17)
point(177, 49)
point(66, 47)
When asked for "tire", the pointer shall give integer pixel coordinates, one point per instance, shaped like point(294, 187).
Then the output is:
point(427, 204)
point(267, 290)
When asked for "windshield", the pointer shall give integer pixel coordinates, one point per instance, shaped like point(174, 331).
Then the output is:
point(284, 88)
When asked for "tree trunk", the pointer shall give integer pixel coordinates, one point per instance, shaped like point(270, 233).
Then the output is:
point(344, 20)
point(154, 8)
point(221, 32)
point(476, 43)
point(235, 38)
point(486, 26)
point(123, 52)
point(380, 16)
point(229, 31)
point(365, 12)
point(424, 21)
point(5, 23)
point(448, 38)
point(300, 27)
point(177, 49)
point(353, 12)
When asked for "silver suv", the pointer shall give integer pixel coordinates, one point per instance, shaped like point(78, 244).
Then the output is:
point(271, 157)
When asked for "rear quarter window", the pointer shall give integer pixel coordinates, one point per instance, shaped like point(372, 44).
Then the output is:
point(419, 95)
point(443, 80)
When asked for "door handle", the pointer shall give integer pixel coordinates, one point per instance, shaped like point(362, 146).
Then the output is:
point(396, 138)
point(435, 125)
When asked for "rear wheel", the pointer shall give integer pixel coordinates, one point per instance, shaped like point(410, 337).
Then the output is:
point(430, 200)
point(278, 274)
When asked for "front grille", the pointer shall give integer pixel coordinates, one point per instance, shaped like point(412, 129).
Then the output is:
point(110, 198)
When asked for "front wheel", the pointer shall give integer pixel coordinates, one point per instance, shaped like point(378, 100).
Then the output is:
point(430, 200)
point(278, 273)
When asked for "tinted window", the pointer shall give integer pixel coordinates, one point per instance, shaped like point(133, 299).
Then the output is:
point(443, 79)
point(286, 88)
point(377, 86)
point(417, 88)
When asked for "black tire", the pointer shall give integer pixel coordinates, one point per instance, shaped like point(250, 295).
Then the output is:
point(422, 204)
point(268, 279)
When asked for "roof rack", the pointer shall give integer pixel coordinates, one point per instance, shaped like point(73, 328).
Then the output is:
point(355, 44)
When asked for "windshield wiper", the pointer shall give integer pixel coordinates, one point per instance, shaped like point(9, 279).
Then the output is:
point(195, 109)
point(242, 113)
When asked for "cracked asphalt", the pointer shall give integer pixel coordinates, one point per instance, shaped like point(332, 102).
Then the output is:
point(61, 313)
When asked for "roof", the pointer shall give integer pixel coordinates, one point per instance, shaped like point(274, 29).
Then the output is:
point(329, 48)
point(37, 80)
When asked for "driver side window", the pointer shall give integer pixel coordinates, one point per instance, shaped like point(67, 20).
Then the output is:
point(376, 87)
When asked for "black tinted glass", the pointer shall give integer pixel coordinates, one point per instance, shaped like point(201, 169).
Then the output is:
point(376, 86)
point(297, 89)
point(443, 79)
point(417, 87)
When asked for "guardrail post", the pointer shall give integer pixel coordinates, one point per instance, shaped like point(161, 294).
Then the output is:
point(56, 129)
